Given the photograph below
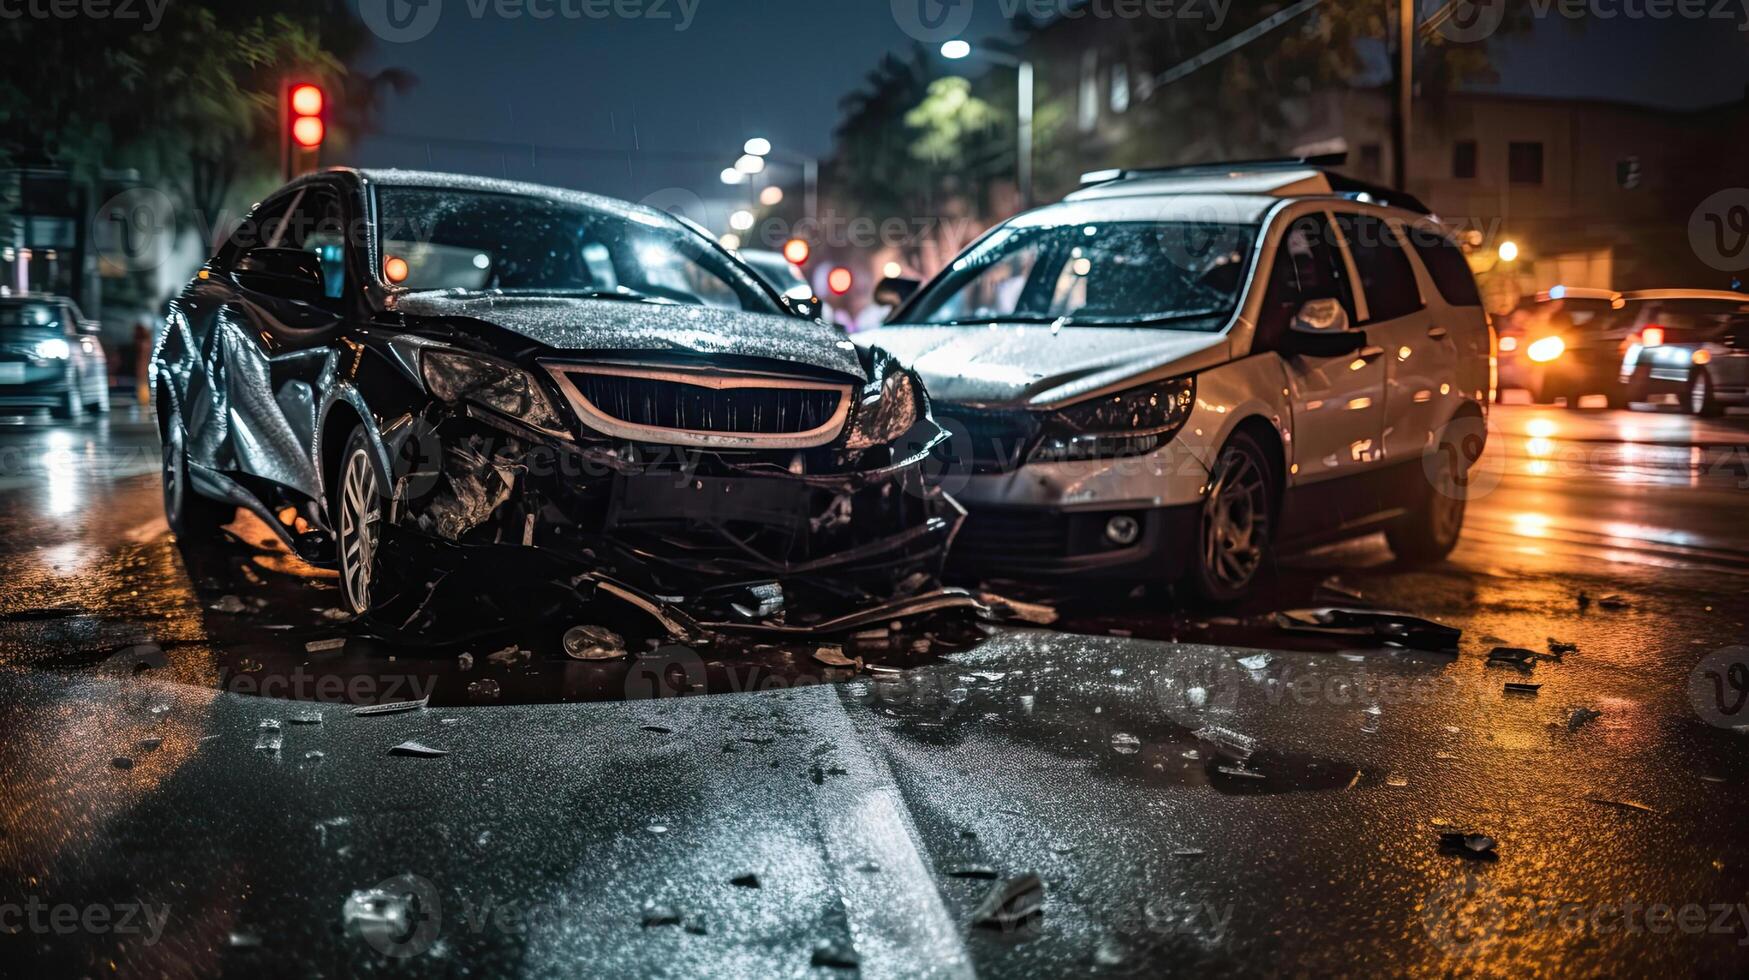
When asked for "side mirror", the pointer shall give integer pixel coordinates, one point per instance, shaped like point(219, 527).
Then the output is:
point(288, 273)
point(893, 291)
point(801, 301)
point(1321, 329)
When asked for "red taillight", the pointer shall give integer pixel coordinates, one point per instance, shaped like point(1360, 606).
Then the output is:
point(840, 280)
point(1652, 337)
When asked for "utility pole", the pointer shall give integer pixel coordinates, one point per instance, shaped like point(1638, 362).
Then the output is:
point(1405, 93)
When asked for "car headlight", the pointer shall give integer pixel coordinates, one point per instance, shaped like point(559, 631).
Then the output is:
point(882, 419)
point(1128, 423)
point(501, 387)
point(1546, 349)
point(53, 349)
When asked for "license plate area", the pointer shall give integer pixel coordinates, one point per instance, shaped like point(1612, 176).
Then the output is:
point(666, 498)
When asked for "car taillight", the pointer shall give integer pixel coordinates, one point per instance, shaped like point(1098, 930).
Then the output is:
point(1652, 337)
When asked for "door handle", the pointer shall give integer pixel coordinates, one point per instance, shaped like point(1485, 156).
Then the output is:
point(1370, 353)
point(1437, 333)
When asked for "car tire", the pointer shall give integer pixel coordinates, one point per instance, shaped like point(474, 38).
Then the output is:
point(1431, 528)
point(71, 406)
point(194, 519)
point(1235, 531)
point(357, 501)
point(1702, 400)
point(101, 405)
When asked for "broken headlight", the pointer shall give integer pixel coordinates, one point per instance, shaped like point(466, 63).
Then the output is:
point(503, 388)
point(1128, 423)
point(882, 419)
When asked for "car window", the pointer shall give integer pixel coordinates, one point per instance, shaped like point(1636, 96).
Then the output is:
point(1385, 272)
point(1446, 265)
point(39, 317)
point(1307, 266)
point(1174, 274)
point(319, 226)
point(255, 230)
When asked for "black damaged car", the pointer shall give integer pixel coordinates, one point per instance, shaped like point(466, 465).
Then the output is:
point(523, 396)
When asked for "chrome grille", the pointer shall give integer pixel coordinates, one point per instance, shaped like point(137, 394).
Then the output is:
point(699, 408)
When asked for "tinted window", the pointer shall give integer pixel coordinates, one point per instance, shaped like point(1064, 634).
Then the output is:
point(1307, 266)
point(1385, 272)
point(1447, 266)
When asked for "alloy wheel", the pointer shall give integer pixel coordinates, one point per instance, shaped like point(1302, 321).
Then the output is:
point(1235, 526)
point(360, 524)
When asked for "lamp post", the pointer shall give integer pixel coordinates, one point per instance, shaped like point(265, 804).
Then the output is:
point(956, 50)
point(757, 151)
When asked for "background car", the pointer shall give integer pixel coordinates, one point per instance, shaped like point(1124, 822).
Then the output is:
point(519, 385)
point(786, 279)
point(1690, 343)
point(1565, 343)
point(1170, 374)
point(50, 357)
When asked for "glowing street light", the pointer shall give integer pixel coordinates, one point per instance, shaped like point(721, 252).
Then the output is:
point(1509, 251)
point(771, 196)
point(741, 220)
point(956, 49)
point(757, 146)
point(732, 176)
point(750, 164)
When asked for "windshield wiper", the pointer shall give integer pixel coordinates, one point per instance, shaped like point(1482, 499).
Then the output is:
point(618, 292)
point(1141, 321)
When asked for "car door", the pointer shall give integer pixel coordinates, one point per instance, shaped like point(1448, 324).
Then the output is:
point(1419, 353)
point(1337, 401)
point(272, 351)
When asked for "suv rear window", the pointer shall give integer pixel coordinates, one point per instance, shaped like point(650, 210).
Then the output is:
point(1445, 262)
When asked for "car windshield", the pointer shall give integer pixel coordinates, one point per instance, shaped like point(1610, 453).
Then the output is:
point(1180, 275)
point(513, 243)
point(29, 316)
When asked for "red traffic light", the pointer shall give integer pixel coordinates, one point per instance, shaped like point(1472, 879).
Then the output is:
point(840, 280)
point(796, 251)
point(306, 100)
point(307, 131)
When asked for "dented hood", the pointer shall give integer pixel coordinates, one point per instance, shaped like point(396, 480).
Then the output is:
point(576, 324)
point(1028, 365)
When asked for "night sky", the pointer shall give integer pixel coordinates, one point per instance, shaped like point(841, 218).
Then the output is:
point(651, 109)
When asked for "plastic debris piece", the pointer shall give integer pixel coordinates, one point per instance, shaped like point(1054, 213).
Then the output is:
point(1333, 589)
point(658, 729)
point(1123, 743)
point(834, 656)
point(657, 915)
point(323, 646)
point(1110, 951)
point(509, 656)
point(269, 741)
point(1239, 772)
point(1581, 717)
point(1036, 613)
point(982, 872)
point(1227, 744)
point(1396, 782)
point(418, 751)
point(485, 689)
point(1517, 657)
point(584, 642)
point(336, 615)
point(122, 762)
point(392, 708)
point(465, 662)
point(1011, 903)
point(1528, 690)
point(1475, 847)
point(1561, 649)
point(1188, 852)
point(149, 744)
point(1256, 661)
point(229, 604)
point(239, 939)
point(315, 755)
point(1621, 804)
point(306, 718)
point(381, 916)
point(1613, 603)
point(745, 881)
point(1398, 629)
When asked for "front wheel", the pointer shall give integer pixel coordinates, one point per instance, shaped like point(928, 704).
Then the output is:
point(357, 502)
point(1701, 399)
point(1235, 534)
point(71, 406)
point(1433, 524)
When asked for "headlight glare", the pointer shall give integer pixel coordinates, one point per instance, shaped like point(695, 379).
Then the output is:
point(1546, 349)
point(503, 388)
point(53, 349)
point(1129, 423)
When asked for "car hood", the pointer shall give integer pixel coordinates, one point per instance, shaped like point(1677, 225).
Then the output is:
point(569, 323)
point(1034, 366)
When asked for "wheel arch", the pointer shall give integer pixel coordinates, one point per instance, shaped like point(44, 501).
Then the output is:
point(1267, 436)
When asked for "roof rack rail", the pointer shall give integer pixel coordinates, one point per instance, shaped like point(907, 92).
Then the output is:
point(1319, 161)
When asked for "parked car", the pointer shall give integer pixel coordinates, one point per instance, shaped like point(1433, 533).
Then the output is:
point(1566, 343)
point(1690, 343)
point(50, 357)
point(786, 279)
point(1172, 374)
point(413, 376)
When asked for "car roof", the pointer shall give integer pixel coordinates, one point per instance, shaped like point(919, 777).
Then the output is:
point(490, 185)
point(1721, 295)
point(1201, 207)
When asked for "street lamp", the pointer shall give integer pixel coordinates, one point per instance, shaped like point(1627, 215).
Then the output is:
point(956, 50)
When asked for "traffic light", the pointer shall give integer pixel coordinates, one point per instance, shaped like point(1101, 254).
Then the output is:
point(303, 127)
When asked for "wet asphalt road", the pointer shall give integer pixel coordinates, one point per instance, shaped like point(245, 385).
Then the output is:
point(583, 823)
